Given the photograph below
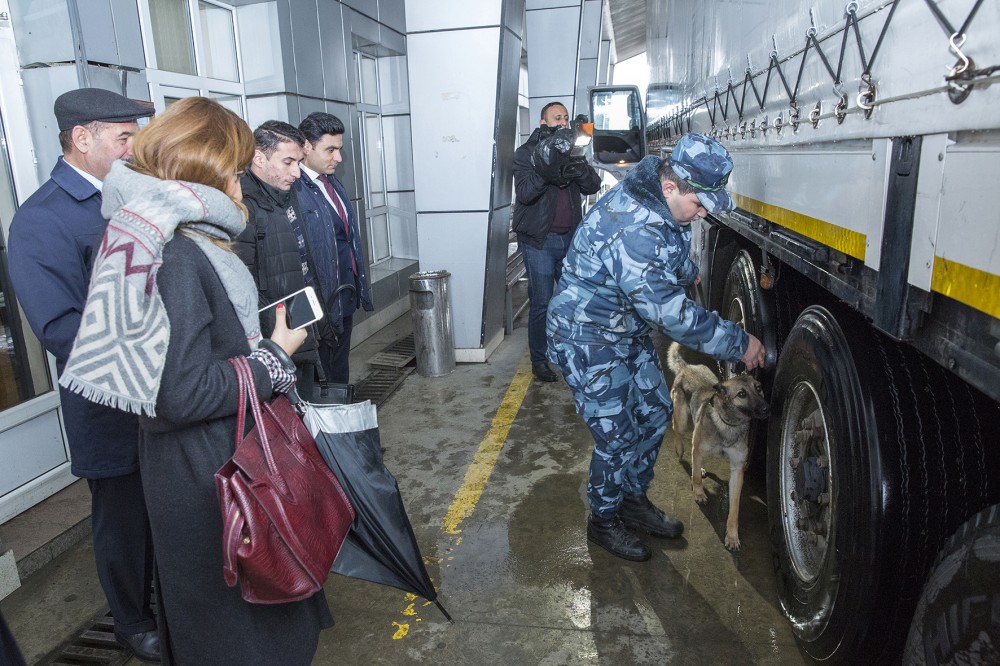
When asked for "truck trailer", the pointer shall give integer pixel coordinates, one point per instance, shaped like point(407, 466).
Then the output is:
point(865, 253)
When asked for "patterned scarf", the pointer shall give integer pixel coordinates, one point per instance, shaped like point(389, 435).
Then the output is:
point(121, 346)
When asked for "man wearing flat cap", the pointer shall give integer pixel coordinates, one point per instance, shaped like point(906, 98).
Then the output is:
point(53, 239)
point(625, 275)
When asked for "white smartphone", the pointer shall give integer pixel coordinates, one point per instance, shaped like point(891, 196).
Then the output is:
point(302, 308)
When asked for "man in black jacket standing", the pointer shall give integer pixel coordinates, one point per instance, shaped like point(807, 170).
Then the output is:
point(547, 210)
point(273, 245)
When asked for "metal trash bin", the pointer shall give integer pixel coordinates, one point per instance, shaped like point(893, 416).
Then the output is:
point(433, 335)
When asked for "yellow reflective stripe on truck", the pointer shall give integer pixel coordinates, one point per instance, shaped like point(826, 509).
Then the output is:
point(851, 243)
point(975, 288)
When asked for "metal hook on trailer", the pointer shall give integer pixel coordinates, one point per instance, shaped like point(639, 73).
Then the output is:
point(866, 97)
point(814, 114)
point(956, 48)
point(957, 92)
point(841, 109)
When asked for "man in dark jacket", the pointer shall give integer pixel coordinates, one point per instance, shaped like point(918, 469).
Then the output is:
point(335, 241)
point(53, 238)
point(273, 245)
point(547, 211)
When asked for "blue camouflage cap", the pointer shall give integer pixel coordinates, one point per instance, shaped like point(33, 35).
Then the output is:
point(705, 165)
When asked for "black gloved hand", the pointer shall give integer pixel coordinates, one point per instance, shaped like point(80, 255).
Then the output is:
point(552, 152)
point(573, 169)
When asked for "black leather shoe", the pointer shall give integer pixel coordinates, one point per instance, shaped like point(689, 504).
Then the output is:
point(611, 535)
point(543, 372)
point(145, 645)
point(637, 512)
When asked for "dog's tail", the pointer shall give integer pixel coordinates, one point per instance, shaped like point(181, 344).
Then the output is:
point(675, 361)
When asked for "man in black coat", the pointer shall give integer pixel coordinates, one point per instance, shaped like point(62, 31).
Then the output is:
point(547, 210)
point(273, 245)
point(53, 239)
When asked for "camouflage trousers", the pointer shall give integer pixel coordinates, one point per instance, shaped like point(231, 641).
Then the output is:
point(623, 397)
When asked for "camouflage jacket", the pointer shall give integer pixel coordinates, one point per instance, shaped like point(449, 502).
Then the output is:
point(625, 274)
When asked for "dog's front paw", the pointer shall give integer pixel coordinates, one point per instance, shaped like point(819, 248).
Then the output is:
point(699, 496)
point(733, 541)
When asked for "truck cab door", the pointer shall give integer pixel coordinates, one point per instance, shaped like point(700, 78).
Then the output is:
point(619, 128)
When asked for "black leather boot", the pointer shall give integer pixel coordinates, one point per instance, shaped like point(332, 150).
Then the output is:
point(638, 513)
point(611, 535)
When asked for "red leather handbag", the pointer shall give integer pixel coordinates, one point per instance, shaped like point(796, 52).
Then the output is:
point(284, 514)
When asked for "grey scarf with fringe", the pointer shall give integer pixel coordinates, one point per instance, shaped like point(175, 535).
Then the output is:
point(120, 348)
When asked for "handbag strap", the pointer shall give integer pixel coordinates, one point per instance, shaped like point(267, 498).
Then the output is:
point(241, 398)
point(247, 389)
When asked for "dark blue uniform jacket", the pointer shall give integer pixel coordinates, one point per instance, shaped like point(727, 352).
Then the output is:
point(53, 239)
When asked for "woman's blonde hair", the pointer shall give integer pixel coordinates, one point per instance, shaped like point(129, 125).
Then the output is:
point(196, 139)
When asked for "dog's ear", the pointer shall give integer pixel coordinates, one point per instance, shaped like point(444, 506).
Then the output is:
point(720, 388)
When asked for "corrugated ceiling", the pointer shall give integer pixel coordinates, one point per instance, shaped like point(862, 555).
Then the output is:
point(628, 21)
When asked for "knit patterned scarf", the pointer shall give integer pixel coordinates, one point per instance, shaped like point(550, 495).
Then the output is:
point(120, 349)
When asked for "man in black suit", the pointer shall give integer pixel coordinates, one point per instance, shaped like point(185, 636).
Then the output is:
point(334, 240)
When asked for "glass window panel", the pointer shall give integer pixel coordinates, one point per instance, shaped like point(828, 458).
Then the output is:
point(378, 227)
point(369, 80)
point(218, 42)
point(24, 367)
point(172, 94)
point(172, 37)
point(232, 102)
point(373, 161)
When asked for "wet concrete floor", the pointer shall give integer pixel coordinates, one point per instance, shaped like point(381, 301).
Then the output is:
point(492, 466)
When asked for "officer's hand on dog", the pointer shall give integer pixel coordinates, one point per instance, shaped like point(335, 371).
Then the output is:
point(753, 357)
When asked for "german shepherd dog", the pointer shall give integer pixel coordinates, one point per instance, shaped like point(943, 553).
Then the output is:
point(721, 413)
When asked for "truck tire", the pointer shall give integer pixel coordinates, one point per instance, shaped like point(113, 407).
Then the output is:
point(743, 303)
point(746, 304)
point(958, 615)
point(875, 455)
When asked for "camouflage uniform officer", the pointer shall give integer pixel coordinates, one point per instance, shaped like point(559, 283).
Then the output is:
point(625, 274)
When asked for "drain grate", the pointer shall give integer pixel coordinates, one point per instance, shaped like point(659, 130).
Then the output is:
point(380, 384)
point(397, 355)
point(94, 645)
point(389, 368)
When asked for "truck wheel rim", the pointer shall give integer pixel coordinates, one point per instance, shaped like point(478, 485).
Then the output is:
point(806, 482)
point(736, 314)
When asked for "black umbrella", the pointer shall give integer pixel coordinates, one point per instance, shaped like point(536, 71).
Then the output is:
point(380, 547)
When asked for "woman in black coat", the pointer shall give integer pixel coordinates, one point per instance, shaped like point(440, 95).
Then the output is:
point(206, 301)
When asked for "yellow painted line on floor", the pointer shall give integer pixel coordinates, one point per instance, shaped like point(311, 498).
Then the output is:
point(467, 497)
point(486, 457)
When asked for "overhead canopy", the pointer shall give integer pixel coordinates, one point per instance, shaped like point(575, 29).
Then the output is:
point(628, 23)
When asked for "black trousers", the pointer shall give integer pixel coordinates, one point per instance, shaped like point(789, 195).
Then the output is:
point(334, 353)
point(123, 548)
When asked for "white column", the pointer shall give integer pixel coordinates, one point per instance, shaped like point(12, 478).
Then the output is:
point(463, 62)
point(553, 45)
